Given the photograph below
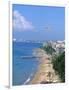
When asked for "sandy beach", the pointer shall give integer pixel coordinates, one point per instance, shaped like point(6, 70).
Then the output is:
point(45, 73)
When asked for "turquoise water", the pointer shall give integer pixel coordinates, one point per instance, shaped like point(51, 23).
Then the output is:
point(24, 69)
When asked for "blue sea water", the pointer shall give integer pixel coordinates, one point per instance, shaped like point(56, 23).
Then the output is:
point(24, 69)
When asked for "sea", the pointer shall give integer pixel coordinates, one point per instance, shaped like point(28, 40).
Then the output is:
point(24, 69)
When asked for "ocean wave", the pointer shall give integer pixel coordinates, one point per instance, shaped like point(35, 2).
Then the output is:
point(28, 80)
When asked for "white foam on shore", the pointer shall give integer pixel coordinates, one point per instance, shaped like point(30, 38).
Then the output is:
point(28, 79)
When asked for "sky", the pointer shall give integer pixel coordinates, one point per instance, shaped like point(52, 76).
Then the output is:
point(30, 22)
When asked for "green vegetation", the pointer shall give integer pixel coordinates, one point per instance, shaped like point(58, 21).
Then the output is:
point(58, 61)
point(59, 65)
point(49, 49)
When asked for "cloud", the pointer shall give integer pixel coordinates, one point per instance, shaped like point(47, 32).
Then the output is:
point(20, 22)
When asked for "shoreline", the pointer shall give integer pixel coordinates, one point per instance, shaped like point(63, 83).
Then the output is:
point(45, 72)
